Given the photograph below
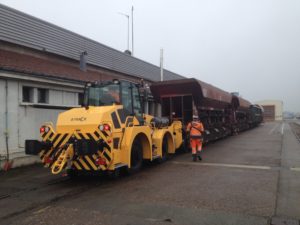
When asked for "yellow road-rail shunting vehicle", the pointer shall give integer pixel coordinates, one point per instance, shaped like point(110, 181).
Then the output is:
point(109, 132)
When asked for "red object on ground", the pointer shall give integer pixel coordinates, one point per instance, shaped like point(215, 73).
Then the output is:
point(7, 165)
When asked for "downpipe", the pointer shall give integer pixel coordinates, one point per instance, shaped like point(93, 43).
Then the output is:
point(7, 164)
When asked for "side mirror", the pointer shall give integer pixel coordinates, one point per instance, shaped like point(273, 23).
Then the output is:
point(85, 102)
point(85, 105)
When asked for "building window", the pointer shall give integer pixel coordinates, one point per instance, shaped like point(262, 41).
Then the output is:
point(80, 98)
point(43, 95)
point(27, 94)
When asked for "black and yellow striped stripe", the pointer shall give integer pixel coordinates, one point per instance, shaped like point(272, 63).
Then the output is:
point(120, 119)
point(87, 162)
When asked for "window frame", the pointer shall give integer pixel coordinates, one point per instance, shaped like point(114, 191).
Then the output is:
point(129, 94)
point(45, 96)
point(31, 94)
point(141, 111)
point(49, 105)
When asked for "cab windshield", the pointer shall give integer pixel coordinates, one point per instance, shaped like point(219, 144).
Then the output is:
point(123, 92)
point(103, 94)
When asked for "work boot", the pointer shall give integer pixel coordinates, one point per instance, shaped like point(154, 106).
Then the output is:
point(199, 156)
point(194, 157)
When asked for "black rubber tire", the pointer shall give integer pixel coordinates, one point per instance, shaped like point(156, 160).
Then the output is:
point(136, 157)
point(164, 149)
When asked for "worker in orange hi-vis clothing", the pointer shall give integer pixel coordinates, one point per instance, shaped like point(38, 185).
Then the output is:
point(196, 128)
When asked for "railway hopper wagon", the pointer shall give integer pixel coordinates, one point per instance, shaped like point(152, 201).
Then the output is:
point(256, 115)
point(222, 113)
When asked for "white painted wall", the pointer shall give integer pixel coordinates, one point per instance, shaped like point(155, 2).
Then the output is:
point(24, 120)
point(2, 116)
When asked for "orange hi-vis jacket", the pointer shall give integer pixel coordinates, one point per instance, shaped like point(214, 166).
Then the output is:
point(196, 128)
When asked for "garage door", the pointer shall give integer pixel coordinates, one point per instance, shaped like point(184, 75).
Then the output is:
point(269, 112)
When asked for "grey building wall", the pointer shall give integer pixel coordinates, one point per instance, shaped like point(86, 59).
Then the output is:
point(25, 119)
point(2, 117)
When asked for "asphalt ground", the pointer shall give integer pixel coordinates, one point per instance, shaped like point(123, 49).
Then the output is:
point(252, 178)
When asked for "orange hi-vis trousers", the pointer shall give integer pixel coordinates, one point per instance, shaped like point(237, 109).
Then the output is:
point(196, 143)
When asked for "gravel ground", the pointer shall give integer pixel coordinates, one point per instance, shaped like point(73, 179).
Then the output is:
point(244, 179)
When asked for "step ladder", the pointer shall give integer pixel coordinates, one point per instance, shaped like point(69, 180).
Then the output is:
point(62, 159)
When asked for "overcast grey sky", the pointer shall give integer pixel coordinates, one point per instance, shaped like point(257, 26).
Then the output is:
point(252, 46)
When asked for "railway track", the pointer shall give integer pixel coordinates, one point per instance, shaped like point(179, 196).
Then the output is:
point(34, 188)
point(43, 194)
point(296, 129)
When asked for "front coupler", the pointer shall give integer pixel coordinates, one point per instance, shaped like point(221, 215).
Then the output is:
point(34, 147)
point(84, 147)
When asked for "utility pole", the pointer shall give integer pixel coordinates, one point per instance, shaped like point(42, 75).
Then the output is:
point(132, 49)
point(127, 16)
point(161, 64)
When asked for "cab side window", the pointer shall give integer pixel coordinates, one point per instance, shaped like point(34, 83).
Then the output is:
point(126, 96)
point(137, 108)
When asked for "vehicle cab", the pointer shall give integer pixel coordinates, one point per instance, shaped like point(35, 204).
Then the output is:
point(115, 92)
